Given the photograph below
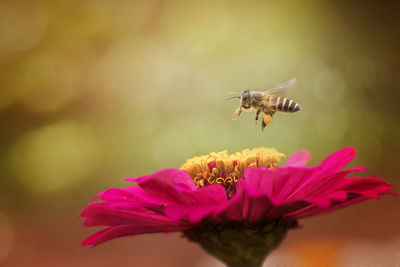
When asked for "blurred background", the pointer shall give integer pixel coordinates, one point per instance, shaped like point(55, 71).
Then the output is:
point(92, 92)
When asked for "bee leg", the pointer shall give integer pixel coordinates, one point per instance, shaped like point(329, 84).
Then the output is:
point(257, 114)
point(237, 113)
point(267, 119)
point(263, 124)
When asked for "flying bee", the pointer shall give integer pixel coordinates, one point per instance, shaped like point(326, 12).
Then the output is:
point(267, 102)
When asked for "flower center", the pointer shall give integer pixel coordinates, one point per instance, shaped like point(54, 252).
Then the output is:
point(223, 168)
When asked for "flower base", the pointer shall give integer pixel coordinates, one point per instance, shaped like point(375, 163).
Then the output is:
point(240, 244)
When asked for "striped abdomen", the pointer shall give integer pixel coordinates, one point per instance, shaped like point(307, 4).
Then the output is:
point(283, 104)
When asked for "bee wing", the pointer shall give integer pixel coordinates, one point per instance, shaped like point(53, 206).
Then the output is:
point(281, 89)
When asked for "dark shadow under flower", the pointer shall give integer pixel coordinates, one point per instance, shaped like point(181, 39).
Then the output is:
point(238, 207)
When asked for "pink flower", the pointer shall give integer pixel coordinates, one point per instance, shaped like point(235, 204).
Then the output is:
point(221, 192)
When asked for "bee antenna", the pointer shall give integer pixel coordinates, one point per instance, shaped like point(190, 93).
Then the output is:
point(232, 97)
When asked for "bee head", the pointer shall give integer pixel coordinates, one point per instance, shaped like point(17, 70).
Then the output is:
point(245, 99)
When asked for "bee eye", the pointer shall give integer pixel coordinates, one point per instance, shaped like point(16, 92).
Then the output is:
point(245, 97)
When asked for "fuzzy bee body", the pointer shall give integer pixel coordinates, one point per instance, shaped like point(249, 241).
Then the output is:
point(282, 104)
point(267, 102)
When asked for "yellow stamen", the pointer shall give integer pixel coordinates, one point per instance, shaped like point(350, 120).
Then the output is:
point(225, 169)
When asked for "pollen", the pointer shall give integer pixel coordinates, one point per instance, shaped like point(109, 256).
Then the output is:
point(226, 169)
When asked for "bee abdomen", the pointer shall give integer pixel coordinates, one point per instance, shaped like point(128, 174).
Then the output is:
point(285, 105)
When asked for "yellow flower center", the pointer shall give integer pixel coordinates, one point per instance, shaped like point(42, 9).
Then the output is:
point(223, 168)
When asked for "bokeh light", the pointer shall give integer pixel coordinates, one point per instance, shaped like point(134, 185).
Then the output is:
point(55, 157)
point(22, 24)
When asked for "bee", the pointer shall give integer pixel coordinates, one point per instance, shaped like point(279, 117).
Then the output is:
point(267, 103)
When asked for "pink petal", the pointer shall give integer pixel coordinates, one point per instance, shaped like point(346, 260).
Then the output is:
point(101, 213)
point(129, 194)
point(293, 183)
point(333, 205)
point(202, 202)
point(350, 200)
point(299, 158)
point(370, 187)
point(191, 213)
point(289, 180)
point(345, 197)
point(246, 204)
point(326, 201)
point(128, 229)
point(250, 204)
point(279, 183)
point(176, 177)
point(167, 184)
point(261, 179)
point(210, 194)
point(320, 185)
point(358, 184)
point(337, 160)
